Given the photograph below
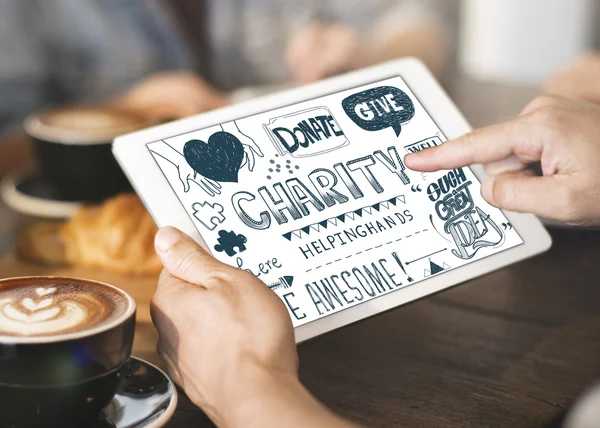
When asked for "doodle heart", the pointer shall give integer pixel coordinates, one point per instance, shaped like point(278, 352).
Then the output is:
point(219, 159)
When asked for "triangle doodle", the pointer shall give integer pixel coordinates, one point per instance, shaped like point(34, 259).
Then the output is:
point(434, 268)
point(306, 230)
point(392, 201)
point(350, 216)
point(315, 227)
point(358, 212)
point(323, 224)
point(401, 198)
point(375, 206)
point(342, 218)
point(288, 236)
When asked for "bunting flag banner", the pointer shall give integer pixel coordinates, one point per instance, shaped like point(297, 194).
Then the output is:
point(349, 216)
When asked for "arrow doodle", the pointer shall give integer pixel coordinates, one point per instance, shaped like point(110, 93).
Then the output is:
point(284, 282)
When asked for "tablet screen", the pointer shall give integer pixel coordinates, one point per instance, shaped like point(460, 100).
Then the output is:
point(314, 199)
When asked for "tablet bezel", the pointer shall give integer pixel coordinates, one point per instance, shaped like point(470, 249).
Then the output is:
point(148, 181)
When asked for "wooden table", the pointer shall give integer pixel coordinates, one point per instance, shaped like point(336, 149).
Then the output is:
point(511, 349)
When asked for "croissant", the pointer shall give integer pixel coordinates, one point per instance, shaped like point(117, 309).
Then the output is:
point(117, 235)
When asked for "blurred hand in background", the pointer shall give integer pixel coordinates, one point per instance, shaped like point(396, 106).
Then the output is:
point(171, 96)
point(580, 80)
point(323, 50)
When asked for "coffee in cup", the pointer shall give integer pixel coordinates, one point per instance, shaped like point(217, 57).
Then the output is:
point(73, 147)
point(62, 344)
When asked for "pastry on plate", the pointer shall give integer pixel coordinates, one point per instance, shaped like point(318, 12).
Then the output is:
point(117, 235)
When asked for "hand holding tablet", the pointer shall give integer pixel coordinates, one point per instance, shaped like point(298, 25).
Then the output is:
point(321, 207)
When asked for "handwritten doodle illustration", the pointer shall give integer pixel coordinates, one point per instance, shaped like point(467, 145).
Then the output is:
point(397, 258)
point(342, 218)
point(379, 108)
point(424, 144)
point(185, 172)
point(426, 256)
point(309, 132)
point(466, 223)
point(283, 282)
point(229, 241)
point(251, 149)
point(435, 268)
point(219, 159)
point(210, 215)
point(315, 200)
point(277, 168)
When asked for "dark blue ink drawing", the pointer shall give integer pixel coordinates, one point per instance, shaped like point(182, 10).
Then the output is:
point(435, 268)
point(229, 241)
point(467, 224)
point(306, 133)
point(283, 282)
point(209, 215)
point(219, 159)
point(185, 172)
point(397, 258)
point(379, 108)
point(416, 189)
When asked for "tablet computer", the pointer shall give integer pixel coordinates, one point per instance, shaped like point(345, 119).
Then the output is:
point(307, 190)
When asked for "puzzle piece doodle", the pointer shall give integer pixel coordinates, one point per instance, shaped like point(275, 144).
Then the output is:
point(210, 215)
point(228, 241)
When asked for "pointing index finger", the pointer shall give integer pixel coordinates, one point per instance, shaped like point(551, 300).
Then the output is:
point(484, 145)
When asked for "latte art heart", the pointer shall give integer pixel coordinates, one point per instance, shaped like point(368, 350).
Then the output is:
point(40, 291)
point(41, 311)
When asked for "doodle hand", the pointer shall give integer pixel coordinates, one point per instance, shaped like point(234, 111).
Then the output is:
point(187, 175)
point(251, 149)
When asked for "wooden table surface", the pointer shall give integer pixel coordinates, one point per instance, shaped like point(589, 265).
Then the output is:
point(511, 349)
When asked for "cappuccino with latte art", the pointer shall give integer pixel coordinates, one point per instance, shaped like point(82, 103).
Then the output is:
point(53, 308)
point(63, 342)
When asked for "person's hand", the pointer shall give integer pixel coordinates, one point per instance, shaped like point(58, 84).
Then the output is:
point(228, 340)
point(560, 133)
point(170, 96)
point(580, 80)
point(323, 50)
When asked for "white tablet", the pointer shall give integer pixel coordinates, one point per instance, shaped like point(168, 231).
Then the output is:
point(307, 190)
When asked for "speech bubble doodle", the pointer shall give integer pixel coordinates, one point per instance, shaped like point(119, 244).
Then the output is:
point(379, 108)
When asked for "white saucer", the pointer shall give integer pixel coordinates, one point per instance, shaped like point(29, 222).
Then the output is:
point(146, 398)
point(31, 195)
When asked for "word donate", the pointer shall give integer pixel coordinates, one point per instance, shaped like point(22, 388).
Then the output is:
point(379, 108)
point(306, 133)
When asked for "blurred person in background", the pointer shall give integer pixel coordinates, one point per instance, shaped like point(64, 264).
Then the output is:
point(167, 59)
point(580, 80)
